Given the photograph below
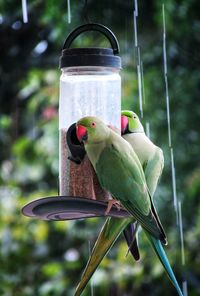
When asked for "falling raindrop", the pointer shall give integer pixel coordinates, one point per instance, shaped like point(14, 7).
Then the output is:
point(136, 8)
point(165, 76)
point(135, 28)
point(69, 11)
point(174, 184)
point(138, 57)
point(143, 87)
point(24, 11)
point(140, 90)
point(185, 290)
point(177, 203)
point(181, 233)
point(137, 48)
point(168, 115)
point(148, 129)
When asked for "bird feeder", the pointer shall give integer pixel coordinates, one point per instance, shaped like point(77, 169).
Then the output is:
point(90, 85)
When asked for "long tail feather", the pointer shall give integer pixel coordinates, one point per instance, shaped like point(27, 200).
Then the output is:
point(108, 235)
point(158, 248)
point(130, 236)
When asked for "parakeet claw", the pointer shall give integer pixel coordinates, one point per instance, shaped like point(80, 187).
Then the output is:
point(110, 204)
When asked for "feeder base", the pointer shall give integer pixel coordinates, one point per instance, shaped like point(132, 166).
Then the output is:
point(59, 208)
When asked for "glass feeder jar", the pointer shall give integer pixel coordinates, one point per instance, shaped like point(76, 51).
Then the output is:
point(90, 85)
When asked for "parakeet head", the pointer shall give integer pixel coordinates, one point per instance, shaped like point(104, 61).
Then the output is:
point(130, 123)
point(91, 130)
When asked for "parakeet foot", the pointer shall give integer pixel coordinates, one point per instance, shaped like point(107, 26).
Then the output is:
point(111, 203)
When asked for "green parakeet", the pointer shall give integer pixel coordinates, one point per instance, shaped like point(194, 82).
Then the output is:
point(150, 156)
point(120, 172)
point(152, 160)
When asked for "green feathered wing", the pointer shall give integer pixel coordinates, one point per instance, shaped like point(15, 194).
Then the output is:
point(152, 166)
point(126, 182)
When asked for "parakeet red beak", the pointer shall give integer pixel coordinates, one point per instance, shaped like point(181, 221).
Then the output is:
point(81, 133)
point(124, 124)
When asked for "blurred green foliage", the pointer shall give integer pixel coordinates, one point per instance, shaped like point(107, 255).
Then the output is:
point(46, 258)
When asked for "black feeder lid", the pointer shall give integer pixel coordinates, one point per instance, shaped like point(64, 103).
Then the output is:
point(60, 208)
point(95, 56)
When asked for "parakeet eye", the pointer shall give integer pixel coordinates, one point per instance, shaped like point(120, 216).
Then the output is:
point(93, 124)
point(134, 117)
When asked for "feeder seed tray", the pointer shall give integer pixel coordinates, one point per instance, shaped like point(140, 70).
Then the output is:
point(59, 208)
